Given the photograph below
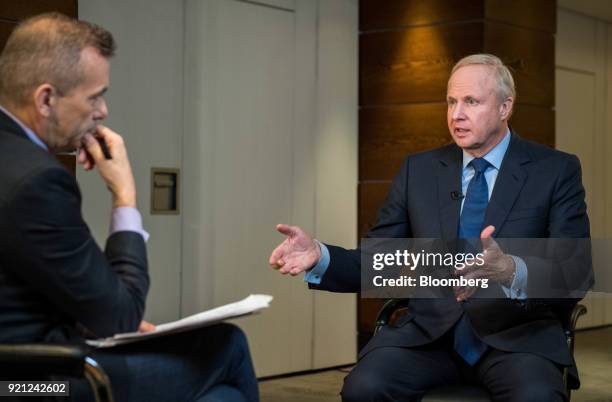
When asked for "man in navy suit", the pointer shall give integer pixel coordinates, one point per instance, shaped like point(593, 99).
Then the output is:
point(56, 284)
point(490, 182)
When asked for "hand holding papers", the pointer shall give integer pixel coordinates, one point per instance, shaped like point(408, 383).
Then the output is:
point(249, 305)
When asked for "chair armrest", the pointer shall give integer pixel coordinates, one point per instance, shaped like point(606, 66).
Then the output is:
point(388, 309)
point(579, 310)
point(42, 359)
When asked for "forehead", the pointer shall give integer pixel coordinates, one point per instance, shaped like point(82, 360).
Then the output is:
point(96, 68)
point(471, 80)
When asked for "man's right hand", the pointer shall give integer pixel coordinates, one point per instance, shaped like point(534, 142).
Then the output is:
point(116, 172)
point(298, 253)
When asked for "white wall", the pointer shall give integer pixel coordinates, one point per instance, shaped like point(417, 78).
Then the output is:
point(271, 136)
point(145, 106)
point(584, 127)
point(256, 102)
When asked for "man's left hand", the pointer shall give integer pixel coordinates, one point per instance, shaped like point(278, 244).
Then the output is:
point(497, 267)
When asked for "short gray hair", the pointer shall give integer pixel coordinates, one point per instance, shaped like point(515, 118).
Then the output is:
point(47, 49)
point(503, 76)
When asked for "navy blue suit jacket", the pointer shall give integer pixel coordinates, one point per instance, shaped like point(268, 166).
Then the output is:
point(538, 194)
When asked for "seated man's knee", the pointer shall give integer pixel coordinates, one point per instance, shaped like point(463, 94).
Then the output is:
point(365, 387)
point(537, 392)
point(233, 338)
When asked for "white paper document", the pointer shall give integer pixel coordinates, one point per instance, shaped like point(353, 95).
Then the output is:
point(249, 305)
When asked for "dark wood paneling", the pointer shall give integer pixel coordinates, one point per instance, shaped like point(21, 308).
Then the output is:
point(534, 14)
point(536, 123)
point(412, 65)
point(387, 134)
point(377, 14)
point(531, 55)
point(407, 49)
point(69, 161)
point(367, 312)
point(5, 31)
point(21, 9)
point(371, 196)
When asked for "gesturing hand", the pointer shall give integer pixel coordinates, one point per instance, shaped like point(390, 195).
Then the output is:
point(298, 253)
point(497, 267)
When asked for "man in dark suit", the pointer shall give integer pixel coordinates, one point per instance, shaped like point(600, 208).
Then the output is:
point(488, 183)
point(56, 285)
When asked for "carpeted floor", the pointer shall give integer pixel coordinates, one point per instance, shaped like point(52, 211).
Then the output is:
point(593, 355)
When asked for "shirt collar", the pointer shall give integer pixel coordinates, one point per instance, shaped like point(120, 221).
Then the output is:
point(28, 131)
point(495, 156)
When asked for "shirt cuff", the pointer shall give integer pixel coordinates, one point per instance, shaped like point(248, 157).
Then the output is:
point(315, 275)
point(518, 287)
point(127, 219)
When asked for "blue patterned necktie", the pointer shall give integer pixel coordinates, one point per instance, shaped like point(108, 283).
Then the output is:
point(467, 344)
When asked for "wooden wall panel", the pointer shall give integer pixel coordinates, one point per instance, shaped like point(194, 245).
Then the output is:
point(536, 123)
point(377, 14)
point(370, 198)
point(539, 15)
point(413, 65)
point(406, 51)
point(531, 55)
point(388, 133)
point(20, 9)
point(6, 28)
point(69, 161)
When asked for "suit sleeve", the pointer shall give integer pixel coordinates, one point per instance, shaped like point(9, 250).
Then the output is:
point(567, 271)
point(52, 250)
point(344, 271)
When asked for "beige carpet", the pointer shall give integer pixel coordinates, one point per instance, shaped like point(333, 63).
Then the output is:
point(593, 355)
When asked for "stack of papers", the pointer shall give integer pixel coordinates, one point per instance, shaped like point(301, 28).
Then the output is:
point(249, 305)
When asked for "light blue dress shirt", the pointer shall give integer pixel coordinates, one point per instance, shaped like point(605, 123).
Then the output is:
point(122, 219)
point(495, 157)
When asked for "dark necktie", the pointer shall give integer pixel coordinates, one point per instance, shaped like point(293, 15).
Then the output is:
point(467, 344)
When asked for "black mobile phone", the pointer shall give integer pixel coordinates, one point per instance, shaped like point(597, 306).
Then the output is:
point(104, 147)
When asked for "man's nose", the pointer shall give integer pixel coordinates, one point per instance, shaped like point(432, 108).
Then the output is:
point(457, 112)
point(102, 111)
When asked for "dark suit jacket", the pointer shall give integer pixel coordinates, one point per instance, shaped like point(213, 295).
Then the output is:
point(538, 194)
point(54, 279)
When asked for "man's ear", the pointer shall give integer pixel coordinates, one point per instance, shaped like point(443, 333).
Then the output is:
point(505, 109)
point(45, 97)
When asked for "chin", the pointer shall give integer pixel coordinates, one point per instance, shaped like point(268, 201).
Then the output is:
point(464, 143)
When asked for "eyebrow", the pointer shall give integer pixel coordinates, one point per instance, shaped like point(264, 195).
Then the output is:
point(100, 92)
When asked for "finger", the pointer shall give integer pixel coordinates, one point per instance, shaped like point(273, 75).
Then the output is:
point(279, 264)
point(460, 293)
point(485, 235)
point(105, 133)
point(146, 326)
point(469, 292)
point(277, 255)
point(477, 274)
point(93, 148)
point(84, 159)
point(81, 156)
point(286, 230)
point(292, 265)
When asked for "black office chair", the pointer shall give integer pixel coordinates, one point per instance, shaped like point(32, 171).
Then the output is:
point(395, 308)
point(40, 361)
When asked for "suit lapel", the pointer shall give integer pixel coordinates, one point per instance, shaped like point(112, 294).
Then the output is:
point(449, 181)
point(510, 181)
